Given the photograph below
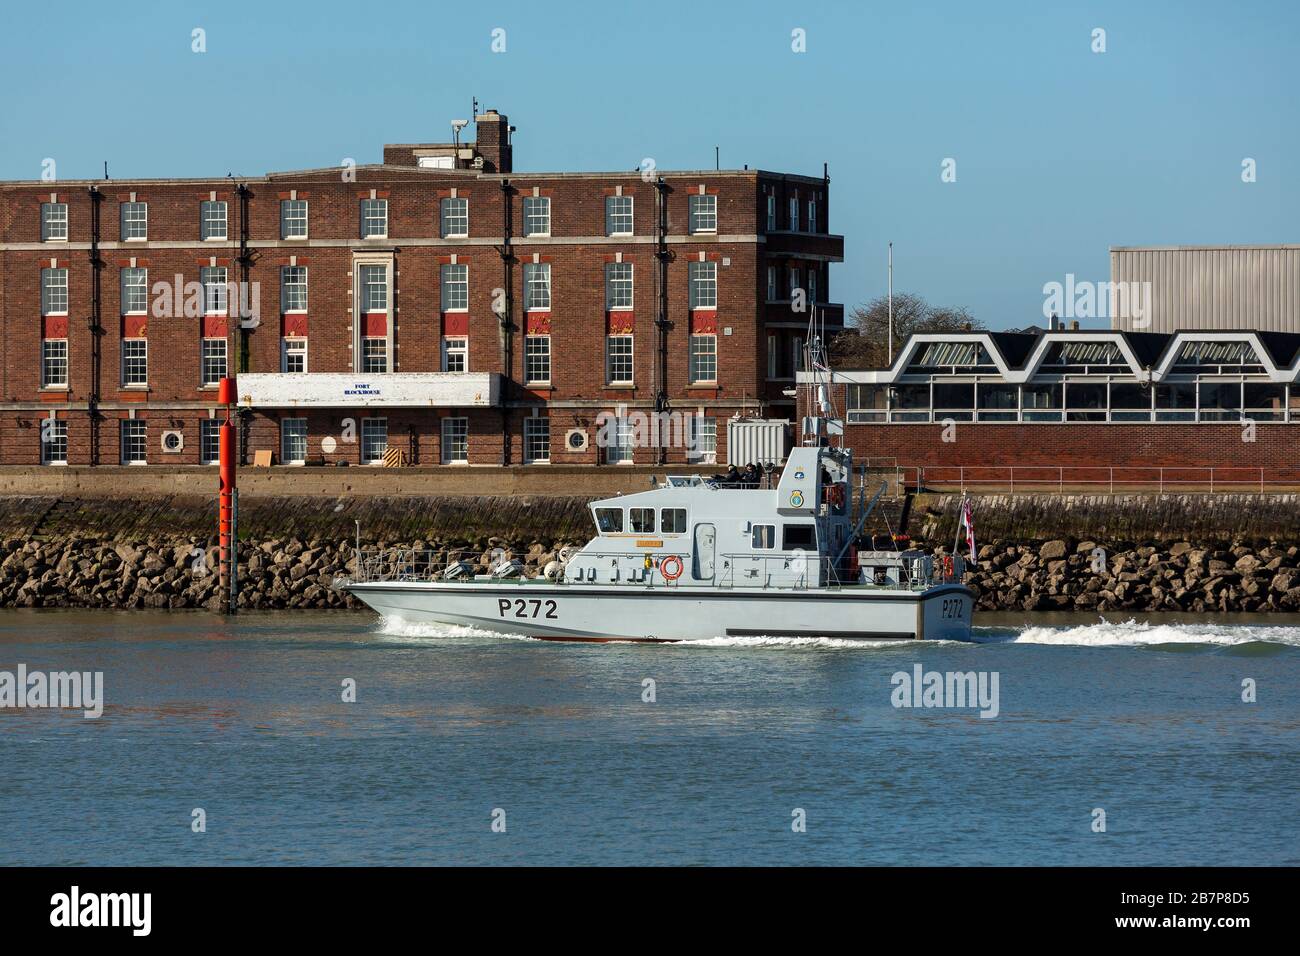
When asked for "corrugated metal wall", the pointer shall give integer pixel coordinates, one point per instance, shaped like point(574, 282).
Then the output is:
point(759, 441)
point(1223, 287)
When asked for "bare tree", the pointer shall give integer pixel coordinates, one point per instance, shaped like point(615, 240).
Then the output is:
point(865, 344)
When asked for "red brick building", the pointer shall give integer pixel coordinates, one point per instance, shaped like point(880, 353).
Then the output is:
point(438, 303)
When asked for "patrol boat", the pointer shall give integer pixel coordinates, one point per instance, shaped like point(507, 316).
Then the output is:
point(693, 559)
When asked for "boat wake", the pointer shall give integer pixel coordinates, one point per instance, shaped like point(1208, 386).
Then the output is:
point(1134, 633)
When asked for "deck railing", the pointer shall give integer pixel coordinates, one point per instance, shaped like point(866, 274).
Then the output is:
point(1099, 479)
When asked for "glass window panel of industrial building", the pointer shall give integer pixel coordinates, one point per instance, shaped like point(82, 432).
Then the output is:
point(704, 358)
point(703, 278)
point(295, 355)
point(54, 221)
point(703, 213)
point(618, 286)
point(1208, 356)
point(1092, 356)
point(618, 215)
point(866, 403)
point(213, 361)
point(455, 217)
point(1176, 402)
point(293, 219)
point(455, 287)
point(135, 290)
point(135, 220)
point(374, 439)
point(134, 434)
point(374, 288)
point(54, 363)
point(618, 359)
point(1219, 401)
point(537, 215)
point(702, 440)
point(455, 441)
point(1264, 401)
point(1085, 401)
point(1041, 403)
point(374, 351)
point(54, 442)
point(455, 355)
point(209, 441)
point(293, 288)
point(54, 292)
point(938, 356)
point(537, 440)
point(771, 212)
point(954, 400)
point(812, 215)
point(215, 298)
point(537, 359)
point(998, 402)
point(135, 361)
point(374, 218)
point(1129, 402)
point(911, 403)
point(293, 440)
point(212, 220)
point(537, 285)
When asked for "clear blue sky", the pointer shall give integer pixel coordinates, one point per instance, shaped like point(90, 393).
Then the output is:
point(1060, 152)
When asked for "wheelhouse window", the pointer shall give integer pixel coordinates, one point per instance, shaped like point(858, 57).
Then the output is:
point(641, 520)
point(609, 520)
point(762, 537)
point(672, 520)
point(798, 537)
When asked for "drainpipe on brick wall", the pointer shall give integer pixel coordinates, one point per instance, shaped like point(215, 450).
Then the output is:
point(661, 319)
point(94, 324)
point(245, 265)
point(506, 317)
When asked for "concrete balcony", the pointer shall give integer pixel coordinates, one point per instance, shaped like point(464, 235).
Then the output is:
point(778, 314)
point(829, 248)
point(375, 390)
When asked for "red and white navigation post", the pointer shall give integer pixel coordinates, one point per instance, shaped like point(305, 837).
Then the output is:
point(228, 501)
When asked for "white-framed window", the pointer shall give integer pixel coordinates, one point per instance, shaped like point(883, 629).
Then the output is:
point(54, 363)
point(455, 354)
point(54, 292)
point(771, 283)
point(455, 287)
point(135, 221)
point(215, 298)
point(537, 215)
point(537, 440)
point(618, 359)
point(135, 290)
point(455, 217)
point(773, 356)
point(771, 212)
point(792, 279)
point(621, 435)
point(209, 441)
point(293, 288)
point(537, 285)
point(135, 361)
point(812, 214)
point(704, 285)
point(293, 439)
point(54, 222)
point(794, 212)
point(704, 358)
point(796, 353)
point(213, 361)
point(212, 219)
point(704, 213)
point(618, 285)
point(374, 354)
point(374, 218)
point(134, 441)
point(812, 283)
point(374, 288)
point(293, 219)
point(293, 354)
point(374, 440)
point(537, 359)
point(455, 441)
point(702, 447)
point(54, 441)
point(618, 215)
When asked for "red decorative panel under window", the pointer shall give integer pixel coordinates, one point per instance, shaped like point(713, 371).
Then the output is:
point(455, 323)
point(294, 324)
point(375, 324)
point(134, 326)
point(704, 323)
point(539, 323)
point(214, 326)
point(619, 323)
point(54, 327)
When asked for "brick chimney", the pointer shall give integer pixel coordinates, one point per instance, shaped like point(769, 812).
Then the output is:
point(492, 141)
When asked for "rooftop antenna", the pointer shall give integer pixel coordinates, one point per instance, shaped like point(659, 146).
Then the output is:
point(717, 157)
point(474, 107)
point(891, 303)
point(105, 169)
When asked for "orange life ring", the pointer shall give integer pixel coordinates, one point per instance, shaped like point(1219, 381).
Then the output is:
point(676, 565)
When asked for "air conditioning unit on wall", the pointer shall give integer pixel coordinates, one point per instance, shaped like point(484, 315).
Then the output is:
point(173, 442)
